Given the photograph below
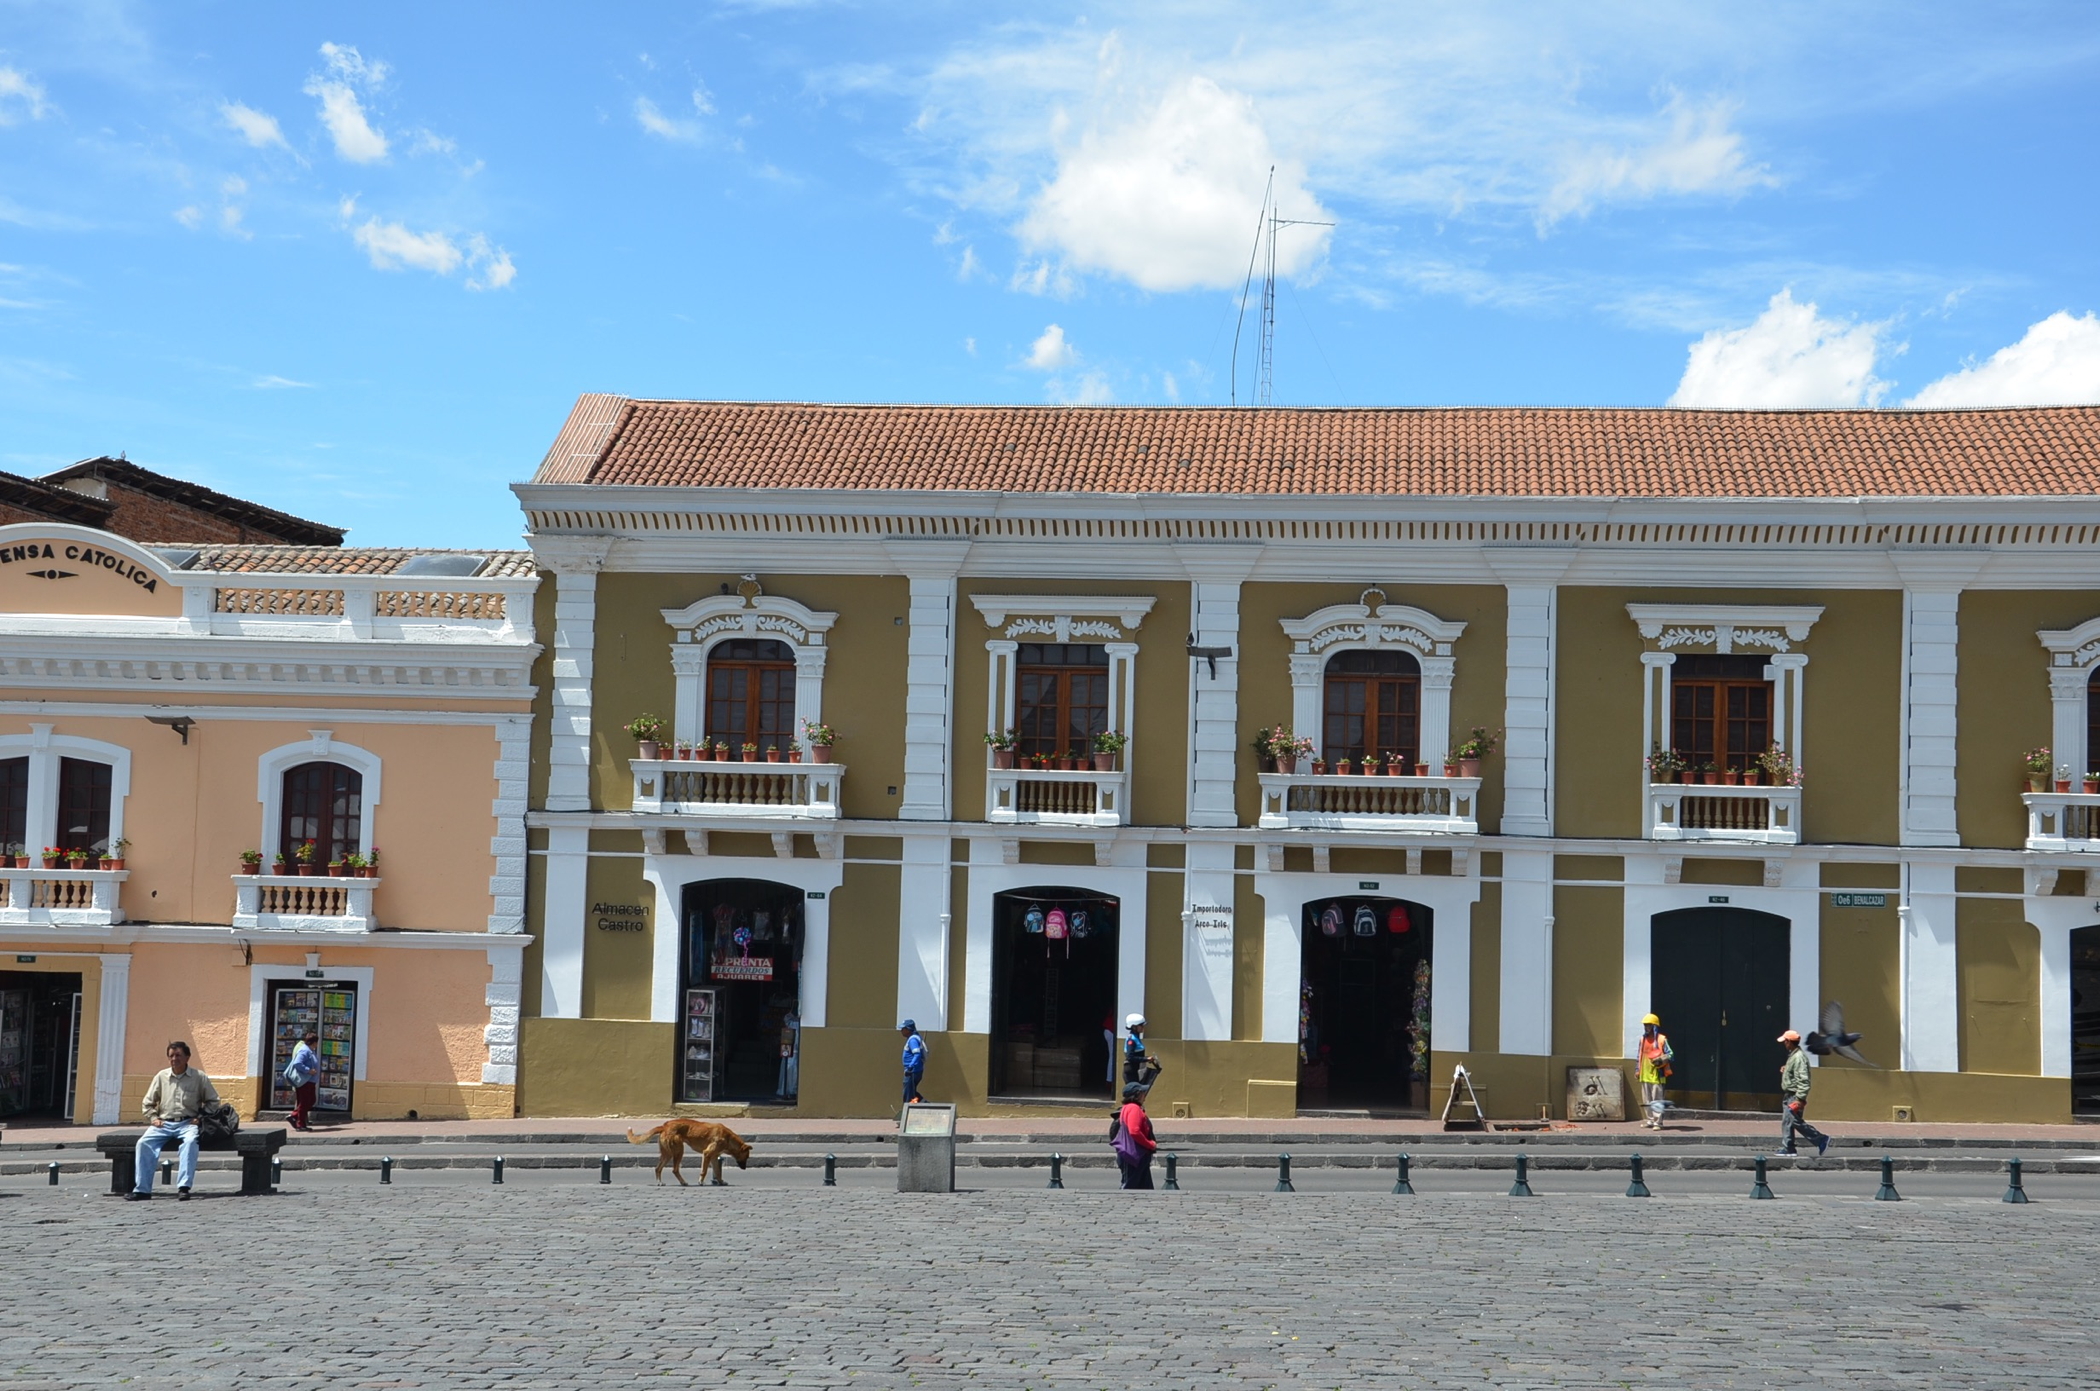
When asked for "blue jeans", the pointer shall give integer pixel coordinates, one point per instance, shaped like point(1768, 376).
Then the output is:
point(149, 1149)
point(911, 1084)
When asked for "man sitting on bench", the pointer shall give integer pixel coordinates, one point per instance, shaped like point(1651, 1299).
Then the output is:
point(177, 1097)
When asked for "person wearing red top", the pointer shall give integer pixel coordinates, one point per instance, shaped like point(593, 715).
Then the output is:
point(1134, 1141)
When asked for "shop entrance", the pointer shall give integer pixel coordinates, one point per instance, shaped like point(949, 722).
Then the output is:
point(1718, 977)
point(39, 1043)
point(328, 1008)
point(2085, 1021)
point(740, 992)
point(1054, 993)
point(1363, 1005)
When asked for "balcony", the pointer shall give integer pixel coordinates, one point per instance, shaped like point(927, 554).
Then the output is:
point(1054, 797)
point(61, 897)
point(769, 791)
point(1719, 812)
point(303, 903)
point(1369, 802)
point(2063, 820)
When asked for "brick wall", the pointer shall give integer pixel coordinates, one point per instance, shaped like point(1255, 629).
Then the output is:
point(143, 517)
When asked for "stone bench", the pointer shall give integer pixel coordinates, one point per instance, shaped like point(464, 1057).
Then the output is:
point(255, 1147)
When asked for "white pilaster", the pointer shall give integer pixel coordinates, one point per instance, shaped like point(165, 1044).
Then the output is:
point(1207, 942)
point(1931, 1001)
point(505, 997)
point(1527, 952)
point(1282, 960)
point(922, 932)
point(1529, 575)
point(1215, 573)
point(1451, 977)
point(563, 917)
point(513, 764)
point(929, 691)
point(1930, 638)
point(112, 1014)
point(575, 562)
point(986, 863)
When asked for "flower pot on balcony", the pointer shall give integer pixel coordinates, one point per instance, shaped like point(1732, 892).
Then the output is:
point(1394, 768)
point(1750, 777)
point(1469, 767)
point(794, 755)
point(647, 748)
point(1687, 779)
point(1343, 768)
point(2063, 784)
point(2092, 785)
point(1319, 767)
point(772, 755)
point(1268, 763)
point(338, 870)
point(1421, 770)
point(1729, 777)
point(1710, 779)
point(1286, 763)
point(54, 862)
point(109, 862)
point(1451, 770)
point(820, 753)
point(1104, 763)
point(1002, 758)
point(308, 871)
point(2035, 784)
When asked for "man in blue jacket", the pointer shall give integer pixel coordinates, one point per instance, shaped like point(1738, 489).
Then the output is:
point(914, 1059)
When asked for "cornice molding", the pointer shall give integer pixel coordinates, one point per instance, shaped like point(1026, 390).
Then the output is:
point(1724, 627)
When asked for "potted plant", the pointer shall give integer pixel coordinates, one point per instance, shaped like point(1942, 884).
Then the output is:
point(1342, 766)
point(2092, 782)
point(1476, 746)
point(1664, 765)
point(1778, 767)
point(1371, 764)
point(1319, 767)
point(372, 864)
point(303, 855)
point(2063, 777)
point(645, 729)
point(1751, 775)
point(115, 858)
point(1001, 744)
point(353, 865)
point(282, 864)
point(2037, 763)
point(773, 753)
point(251, 862)
point(1265, 748)
point(750, 753)
point(1729, 774)
point(54, 857)
point(820, 738)
point(1106, 747)
point(77, 858)
point(794, 751)
point(337, 869)
point(1710, 773)
point(1293, 751)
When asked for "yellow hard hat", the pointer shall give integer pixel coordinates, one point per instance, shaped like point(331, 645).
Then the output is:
point(1651, 1019)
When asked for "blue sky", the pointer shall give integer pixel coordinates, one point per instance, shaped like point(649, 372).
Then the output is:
point(356, 262)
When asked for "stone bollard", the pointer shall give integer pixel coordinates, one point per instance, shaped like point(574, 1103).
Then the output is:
point(1401, 1184)
point(1283, 1174)
point(1761, 1189)
point(276, 1171)
point(1057, 1170)
point(1887, 1192)
point(831, 1171)
point(1173, 1182)
point(1637, 1188)
point(2015, 1192)
point(605, 1169)
point(1522, 1187)
point(386, 1169)
point(496, 1170)
point(53, 1171)
point(167, 1172)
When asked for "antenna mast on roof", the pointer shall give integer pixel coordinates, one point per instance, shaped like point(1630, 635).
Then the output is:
point(1265, 356)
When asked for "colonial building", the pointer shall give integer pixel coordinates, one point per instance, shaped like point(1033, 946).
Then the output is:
point(250, 789)
point(1345, 745)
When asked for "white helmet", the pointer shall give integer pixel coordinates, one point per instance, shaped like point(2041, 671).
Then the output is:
point(1134, 1021)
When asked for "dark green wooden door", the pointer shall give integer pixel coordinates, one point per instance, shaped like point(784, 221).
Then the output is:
point(1718, 978)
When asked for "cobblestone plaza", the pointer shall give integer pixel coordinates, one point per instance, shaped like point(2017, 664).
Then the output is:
point(552, 1280)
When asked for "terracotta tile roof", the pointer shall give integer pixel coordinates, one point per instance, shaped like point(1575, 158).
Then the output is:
point(337, 560)
point(1457, 452)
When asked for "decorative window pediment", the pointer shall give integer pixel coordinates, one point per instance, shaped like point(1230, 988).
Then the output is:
point(1065, 617)
point(1723, 628)
point(748, 613)
point(1371, 625)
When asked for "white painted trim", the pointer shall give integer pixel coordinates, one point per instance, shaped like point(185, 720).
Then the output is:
point(259, 978)
point(1930, 960)
point(563, 922)
point(576, 566)
point(1931, 643)
point(269, 714)
point(670, 874)
point(2074, 654)
point(2055, 919)
point(1527, 953)
point(1797, 898)
point(1724, 627)
point(513, 772)
point(1319, 636)
point(990, 877)
point(1128, 610)
point(702, 625)
point(923, 921)
point(1209, 889)
point(319, 747)
point(1527, 751)
point(44, 749)
point(112, 1023)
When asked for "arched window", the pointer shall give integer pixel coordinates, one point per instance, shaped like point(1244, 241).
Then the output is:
point(1060, 697)
point(323, 803)
point(1720, 709)
point(2092, 726)
point(14, 808)
point(84, 789)
point(1372, 704)
point(751, 693)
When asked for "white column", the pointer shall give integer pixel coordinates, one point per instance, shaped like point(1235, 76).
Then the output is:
point(1527, 952)
point(1282, 959)
point(1930, 981)
point(1932, 588)
point(1805, 968)
point(1451, 980)
point(513, 765)
point(2055, 923)
point(667, 937)
point(922, 931)
point(505, 998)
point(816, 959)
point(1436, 712)
point(1529, 575)
point(1636, 968)
point(562, 919)
point(929, 677)
point(986, 860)
point(1215, 573)
point(112, 1014)
point(2067, 709)
point(575, 562)
point(1207, 942)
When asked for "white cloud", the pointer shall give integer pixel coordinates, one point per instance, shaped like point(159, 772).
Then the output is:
point(1168, 198)
point(1091, 389)
point(1050, 352)
point(230, 222)
point(490, 266)
point(20, 95)
point(233, 186)
point(652, 119)
point(1791, 356)
point(258, 128)
point(970, 346)
point(1171, 387)
point(969, 267)
point(189, 217)
point(276, 383)
point(2055, 363)
point(1697, 154)
point(394, 246)
point(356, 138)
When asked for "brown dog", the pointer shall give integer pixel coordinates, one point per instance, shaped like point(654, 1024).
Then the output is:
point(711, 1139)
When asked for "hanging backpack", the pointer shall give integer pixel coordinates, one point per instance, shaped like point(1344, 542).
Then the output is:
point(1032, 920)
point(1331, 922)
point(1365, 923)
point(1055, 925)
point(1396, 921)
point(1080, 926)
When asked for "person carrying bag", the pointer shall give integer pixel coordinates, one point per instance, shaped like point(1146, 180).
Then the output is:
point(302, 1074)
point(1131, 1134)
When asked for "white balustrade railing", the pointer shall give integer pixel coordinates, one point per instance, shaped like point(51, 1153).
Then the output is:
point(304, 902)
point(2063, 820)
point(1369, 802)
point(1055, 797)
point(61, 897)
point(1699, 811)
point(699, 787)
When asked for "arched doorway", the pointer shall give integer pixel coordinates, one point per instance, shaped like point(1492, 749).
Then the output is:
point(739, 991)
point(1363, 1004)
point(1719, 977)
point(1054, 961)
point(2085, 1019)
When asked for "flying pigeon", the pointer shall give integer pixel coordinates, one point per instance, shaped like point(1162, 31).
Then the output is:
point(1832, 1038)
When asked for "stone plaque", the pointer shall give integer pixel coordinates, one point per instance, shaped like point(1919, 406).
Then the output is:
point(1596, 1094)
